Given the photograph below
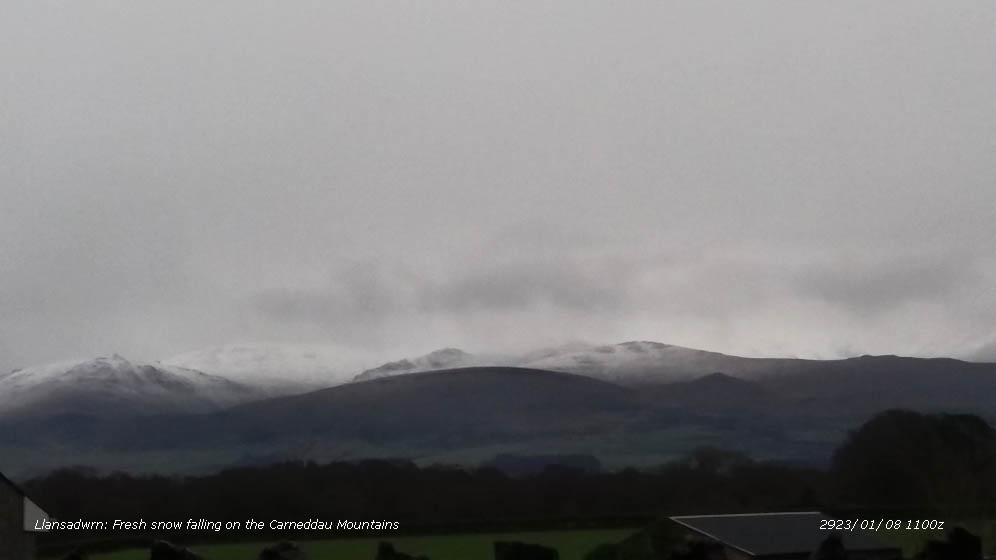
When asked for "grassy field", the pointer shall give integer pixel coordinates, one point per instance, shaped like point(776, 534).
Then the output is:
point(572, 545)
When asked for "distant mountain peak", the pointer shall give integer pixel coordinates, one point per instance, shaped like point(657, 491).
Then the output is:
point(275, 367)
point(716, 391)
point(629, 363)
point(443, 358)
point(643, 344)
point(111, 384)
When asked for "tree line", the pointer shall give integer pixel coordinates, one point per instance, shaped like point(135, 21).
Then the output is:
point(898, 460)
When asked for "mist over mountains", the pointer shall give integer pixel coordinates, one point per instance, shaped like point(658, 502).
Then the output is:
point(628, 363)
point(630, 404)
point(275, 369)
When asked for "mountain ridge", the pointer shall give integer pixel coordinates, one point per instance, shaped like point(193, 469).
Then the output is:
point(115, 386)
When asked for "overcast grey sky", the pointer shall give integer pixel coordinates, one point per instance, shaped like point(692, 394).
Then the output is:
point(812, 179)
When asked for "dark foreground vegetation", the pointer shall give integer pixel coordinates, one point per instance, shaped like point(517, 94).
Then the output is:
point(899, 465)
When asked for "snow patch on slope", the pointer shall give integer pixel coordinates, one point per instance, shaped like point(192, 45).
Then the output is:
point(108, 385)
point(638, 361)
point(628, 363)
point(274, 368)
point(446, 358)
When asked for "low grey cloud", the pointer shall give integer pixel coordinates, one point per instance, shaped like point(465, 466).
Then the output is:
point(566, 287)
point(874, 284)
point(366, 296)
point(721, 300)
point(404, 177)
point(985, 353)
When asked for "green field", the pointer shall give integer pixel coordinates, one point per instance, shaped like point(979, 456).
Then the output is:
point(572, 545)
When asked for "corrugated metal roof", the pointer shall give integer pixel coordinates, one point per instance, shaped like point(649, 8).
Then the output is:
point(763, 534)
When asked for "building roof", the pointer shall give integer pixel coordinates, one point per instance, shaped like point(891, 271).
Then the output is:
point(9, 482)
point(32, 512)
point(764, 534)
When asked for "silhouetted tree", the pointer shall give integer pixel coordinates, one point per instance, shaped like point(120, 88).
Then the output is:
point(505, 550)
point(283, 550)
point(832, 548)
point(163, 550)
point(385, 551)
point(960, 545)
point(903, 458)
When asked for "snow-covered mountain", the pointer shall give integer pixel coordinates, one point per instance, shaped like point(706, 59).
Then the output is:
point(216, 377)
point(627, 363)
point(274, 368)
point(115, 386)
point(446, 358)
point(641, 362)
point(450, 358)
